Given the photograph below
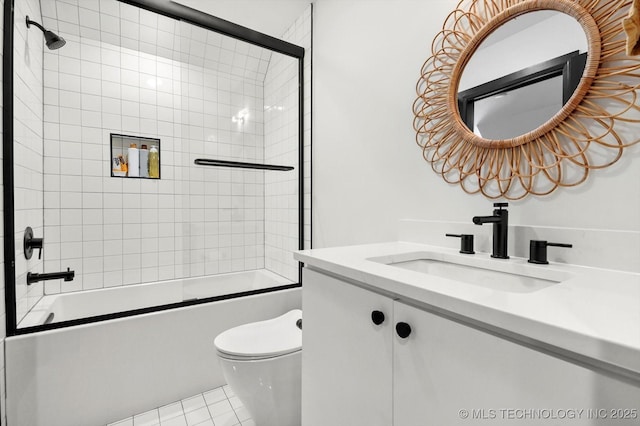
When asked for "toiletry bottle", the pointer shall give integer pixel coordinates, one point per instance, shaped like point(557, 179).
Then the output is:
point(154, 162)
point(144, 161)
point(123, 165)
point(134, 160)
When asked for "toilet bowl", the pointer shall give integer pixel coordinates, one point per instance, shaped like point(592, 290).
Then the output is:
point(262, 363)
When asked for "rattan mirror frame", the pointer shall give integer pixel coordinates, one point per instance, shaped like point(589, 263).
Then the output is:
point(556, 154)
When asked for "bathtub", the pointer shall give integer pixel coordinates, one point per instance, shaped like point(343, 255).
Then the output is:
point(88, 303)
point(96, 373)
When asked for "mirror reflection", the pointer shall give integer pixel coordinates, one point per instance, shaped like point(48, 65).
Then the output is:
point(539, 58)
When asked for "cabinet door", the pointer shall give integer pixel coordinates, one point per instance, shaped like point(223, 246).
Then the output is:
point(346, 358)
point(446, 373)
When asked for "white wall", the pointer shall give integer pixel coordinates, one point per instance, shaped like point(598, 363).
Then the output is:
point(368, 171)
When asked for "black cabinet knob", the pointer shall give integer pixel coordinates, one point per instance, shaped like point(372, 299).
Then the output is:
point(377, 317)
point(403, 329)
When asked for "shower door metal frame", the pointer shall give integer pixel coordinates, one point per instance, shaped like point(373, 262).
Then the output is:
point(180, 13)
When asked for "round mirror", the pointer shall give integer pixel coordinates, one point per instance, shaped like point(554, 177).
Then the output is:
point(536, 62)
point(582, 134)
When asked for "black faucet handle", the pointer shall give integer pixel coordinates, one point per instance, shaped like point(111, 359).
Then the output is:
point(538, 251)
point(500, 205)
point(30, 243)
point(466, 242)
point(559, 245)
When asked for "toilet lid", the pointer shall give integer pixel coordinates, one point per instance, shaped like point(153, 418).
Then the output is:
point(274, 337)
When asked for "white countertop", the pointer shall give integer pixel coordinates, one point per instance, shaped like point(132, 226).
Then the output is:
point(592, 312)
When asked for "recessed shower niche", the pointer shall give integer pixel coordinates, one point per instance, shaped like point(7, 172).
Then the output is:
point(135, 157)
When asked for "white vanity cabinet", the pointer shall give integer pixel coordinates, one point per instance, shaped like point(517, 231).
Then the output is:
point(346, 358)
point(444, 373)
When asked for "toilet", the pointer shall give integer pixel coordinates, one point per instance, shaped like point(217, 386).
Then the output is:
point(262, 363)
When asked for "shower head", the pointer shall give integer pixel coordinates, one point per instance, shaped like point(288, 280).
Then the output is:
point(52, 40)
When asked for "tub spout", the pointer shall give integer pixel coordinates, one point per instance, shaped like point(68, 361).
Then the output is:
point(34, 277)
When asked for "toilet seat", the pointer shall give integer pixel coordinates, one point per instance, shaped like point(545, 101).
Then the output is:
point(263, 339)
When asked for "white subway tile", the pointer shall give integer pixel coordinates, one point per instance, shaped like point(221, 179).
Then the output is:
point(67, 12)
point(91, 118)
point(91, 265)
point(150, 261)
point(91, 184)
point(129, 12)
point(69, 82)
point(112, 278)
point(93, 234)
point(91, 85)
point(112, 122)
point(111, 89)
point(131, 125)
point(89, 33)
point(90, 69)
point(131, 216)
point(70, 251)
point(131, 276)
point(113, 246)
point(89, 18)
point(131, 30)
point(129, 77)
point(131, 93)
point(109, 25)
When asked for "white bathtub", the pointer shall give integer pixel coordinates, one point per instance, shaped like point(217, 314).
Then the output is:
point(96, 373)
point(88, 303)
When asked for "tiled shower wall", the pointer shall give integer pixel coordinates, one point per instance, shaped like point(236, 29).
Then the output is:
point(28, 177)
point(194, 220)
point(281, 139)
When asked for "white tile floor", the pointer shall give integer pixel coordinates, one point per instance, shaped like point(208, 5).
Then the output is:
point(217, 407)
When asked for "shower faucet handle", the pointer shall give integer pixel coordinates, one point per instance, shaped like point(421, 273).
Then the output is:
point(30, 243)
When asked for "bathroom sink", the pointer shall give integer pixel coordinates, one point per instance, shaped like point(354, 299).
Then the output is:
point(493, 274)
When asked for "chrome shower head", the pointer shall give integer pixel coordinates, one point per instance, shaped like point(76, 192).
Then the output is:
point(51, 39)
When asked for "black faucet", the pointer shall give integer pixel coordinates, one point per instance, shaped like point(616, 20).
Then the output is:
point(34, 277)
point(500, 221)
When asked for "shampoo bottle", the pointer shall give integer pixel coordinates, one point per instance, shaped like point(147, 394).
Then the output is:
point(144, 161)
point(154, 162)
point(134, 160)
